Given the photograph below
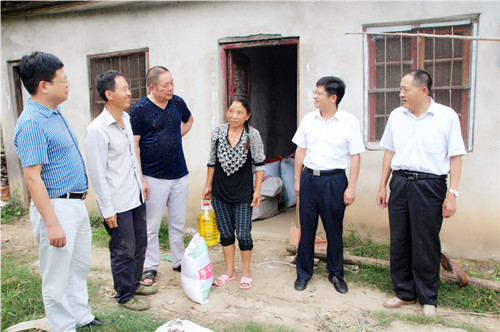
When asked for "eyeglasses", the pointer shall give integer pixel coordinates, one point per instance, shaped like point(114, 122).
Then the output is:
point(65, 80)
point(316, 92)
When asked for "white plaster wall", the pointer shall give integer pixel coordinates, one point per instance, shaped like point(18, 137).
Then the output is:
point(184, 37)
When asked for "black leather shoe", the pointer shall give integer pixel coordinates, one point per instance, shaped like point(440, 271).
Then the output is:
point(95, 322)
point(300, 284)
point(339, 284)
point(177, 269)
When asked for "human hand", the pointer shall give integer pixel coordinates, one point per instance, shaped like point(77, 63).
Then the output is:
point(256, 200)
point(349, 196)
point(381, 198)
point(56, 235)
point(207, 193)
point(112, 222)
point(449, 205)
point(145, 185)
point(297, 188)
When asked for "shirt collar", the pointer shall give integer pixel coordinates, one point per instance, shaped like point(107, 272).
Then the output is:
point(430, 109)
point(338, 115)
point(108, 118)
point(44, 110)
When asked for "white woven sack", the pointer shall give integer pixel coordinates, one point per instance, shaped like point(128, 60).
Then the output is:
point(197, 274)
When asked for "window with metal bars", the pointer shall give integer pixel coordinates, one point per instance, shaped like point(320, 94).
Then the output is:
point(447, 60)
point(132, 64)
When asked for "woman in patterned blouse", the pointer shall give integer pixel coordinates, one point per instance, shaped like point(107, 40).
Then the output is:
point(236, 152)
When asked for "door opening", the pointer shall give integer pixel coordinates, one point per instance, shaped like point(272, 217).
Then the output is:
point(266, 72)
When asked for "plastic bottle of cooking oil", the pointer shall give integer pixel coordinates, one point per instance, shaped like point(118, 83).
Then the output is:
point(207, 227)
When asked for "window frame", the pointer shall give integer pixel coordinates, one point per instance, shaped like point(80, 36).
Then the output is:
point(93, 94)
point(16, 87)
point(371, 29)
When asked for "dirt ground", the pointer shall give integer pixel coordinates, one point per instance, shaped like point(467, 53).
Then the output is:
point(271, 300)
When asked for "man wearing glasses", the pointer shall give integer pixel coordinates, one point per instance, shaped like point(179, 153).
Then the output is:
point(55, 175)
point(328, 141)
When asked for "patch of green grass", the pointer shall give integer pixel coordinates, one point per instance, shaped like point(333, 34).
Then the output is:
point(496, 275)
point(373, 276)
point(256, 327)
point(164, 237)
point(470, 298)
point(22, 301)
point(365, 247)
point(100, 236)
point(385, 320)
point(121, 319)
point(21, 291)
point(488, 270)
point(13, 210)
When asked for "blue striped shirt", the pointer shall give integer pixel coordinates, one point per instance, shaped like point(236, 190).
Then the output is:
point(43, 137)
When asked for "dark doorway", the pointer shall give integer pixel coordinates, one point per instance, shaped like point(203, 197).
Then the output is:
point(265, 71)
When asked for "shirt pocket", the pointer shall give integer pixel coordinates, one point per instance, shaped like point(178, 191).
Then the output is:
point(337, 137)
point(433, 142)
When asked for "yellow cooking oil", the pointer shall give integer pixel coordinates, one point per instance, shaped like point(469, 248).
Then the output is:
point(207, 226)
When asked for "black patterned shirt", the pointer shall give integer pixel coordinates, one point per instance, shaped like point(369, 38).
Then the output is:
point(234, 166)
point(160, 146)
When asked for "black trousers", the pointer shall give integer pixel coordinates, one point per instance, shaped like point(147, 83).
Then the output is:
point(321, 196)
point(415, 217)
point(127, 248)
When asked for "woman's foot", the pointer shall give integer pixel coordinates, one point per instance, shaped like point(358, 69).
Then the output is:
point(223, 279)
point(245, 282)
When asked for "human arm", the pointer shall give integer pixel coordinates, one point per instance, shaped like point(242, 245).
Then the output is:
point(259, 176)
point(258, 156)
point(145, 185)
point(386, 172)
point(300, 154)
point(350, 192)
point(212, 158)
point(186, 126)
point(207, 191)
point(40, 197)
point(450, 202)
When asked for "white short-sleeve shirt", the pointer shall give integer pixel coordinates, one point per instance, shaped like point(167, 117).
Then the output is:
point(423, 144)
point(329, 144)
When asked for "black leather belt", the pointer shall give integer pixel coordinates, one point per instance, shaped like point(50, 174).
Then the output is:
point(411, 175)
point(324, 172)
point(74, 195)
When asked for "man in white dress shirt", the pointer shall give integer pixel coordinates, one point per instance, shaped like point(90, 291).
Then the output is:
point(328, 141)
point(116, 176)
point(423, 144)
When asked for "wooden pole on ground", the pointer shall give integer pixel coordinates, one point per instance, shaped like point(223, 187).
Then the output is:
point(357, 260)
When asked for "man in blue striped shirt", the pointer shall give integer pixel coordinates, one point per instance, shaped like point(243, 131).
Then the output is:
point(54, 172)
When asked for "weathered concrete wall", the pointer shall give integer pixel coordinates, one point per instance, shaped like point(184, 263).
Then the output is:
point(183, 37)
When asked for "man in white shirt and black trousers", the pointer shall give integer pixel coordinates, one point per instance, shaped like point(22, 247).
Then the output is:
point(423, 142)
point(328, 141)
point(116, 176)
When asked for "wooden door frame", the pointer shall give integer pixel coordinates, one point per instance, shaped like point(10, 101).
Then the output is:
point(248, 42)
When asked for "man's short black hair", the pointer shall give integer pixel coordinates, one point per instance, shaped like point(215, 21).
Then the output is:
point(37, 67)
point(422, 78)
point(106, 81)
point(333, 86)
point(153, 74)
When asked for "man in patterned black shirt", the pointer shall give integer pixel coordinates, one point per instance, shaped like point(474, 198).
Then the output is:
point(159, 120)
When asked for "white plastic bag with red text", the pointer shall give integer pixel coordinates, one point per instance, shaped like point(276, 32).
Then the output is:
point(197, 274)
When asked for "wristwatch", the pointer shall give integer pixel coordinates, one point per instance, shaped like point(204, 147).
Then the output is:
point(454, 192)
